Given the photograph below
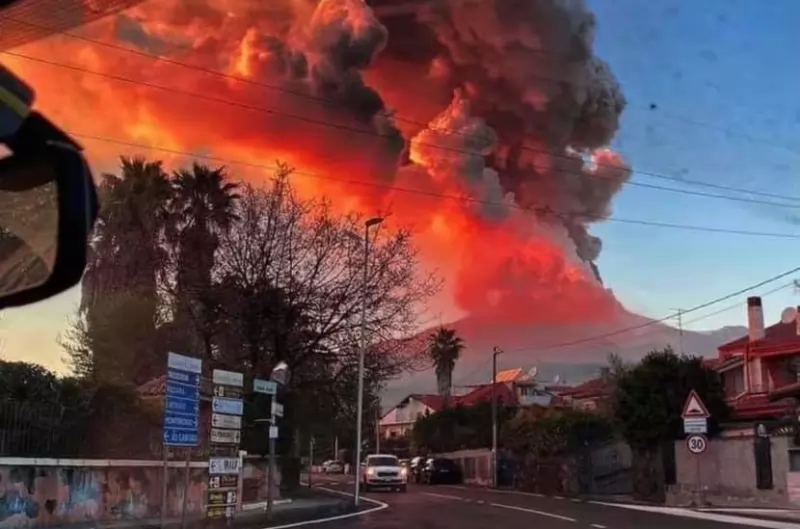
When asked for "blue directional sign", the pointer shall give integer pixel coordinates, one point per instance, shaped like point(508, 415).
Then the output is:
point(182, 401)
point(227, 406)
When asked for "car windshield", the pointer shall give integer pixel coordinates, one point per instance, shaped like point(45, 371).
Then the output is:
point(384, 461)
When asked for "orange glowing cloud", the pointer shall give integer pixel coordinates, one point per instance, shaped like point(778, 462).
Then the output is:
point(475, 157)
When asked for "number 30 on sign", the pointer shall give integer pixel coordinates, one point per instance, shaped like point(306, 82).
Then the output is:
point(697, 444)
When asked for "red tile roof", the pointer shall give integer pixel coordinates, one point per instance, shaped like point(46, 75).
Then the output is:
point(597, 387)
point(758, 406)
point(780, 334)
point(434, 402)
point(505, 395)
point(483, 393)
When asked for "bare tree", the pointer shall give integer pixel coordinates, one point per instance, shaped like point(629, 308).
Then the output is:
point(302, 256)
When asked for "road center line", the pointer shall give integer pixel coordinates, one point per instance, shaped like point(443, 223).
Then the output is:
point(534, 511)
point(445, 496)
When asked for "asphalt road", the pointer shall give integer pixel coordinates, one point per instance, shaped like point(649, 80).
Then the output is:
point(450, 507)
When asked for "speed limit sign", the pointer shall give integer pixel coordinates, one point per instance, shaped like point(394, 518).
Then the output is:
point(697, 444)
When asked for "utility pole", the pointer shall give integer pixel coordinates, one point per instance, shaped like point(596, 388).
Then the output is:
point(680, 330)
point(361, 353)
point(336, 448)
point(495, 353)
point(378, 430)
point(310, 460)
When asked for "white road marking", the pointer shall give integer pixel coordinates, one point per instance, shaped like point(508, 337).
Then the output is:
point(597, 526)
point(575, 500)
point(746, 510)
point(500, 491)
point(445, 496)
point(688, 513)
point(379, 505)
point(534, 511)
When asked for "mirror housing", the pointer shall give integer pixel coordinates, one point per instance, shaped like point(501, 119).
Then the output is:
point(77, 210)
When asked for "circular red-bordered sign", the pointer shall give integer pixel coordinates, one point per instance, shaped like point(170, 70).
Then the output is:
point(697, 443)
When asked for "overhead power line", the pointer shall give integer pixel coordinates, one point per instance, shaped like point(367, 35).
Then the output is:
point(375, 134)
point(463, 199)
point(738, 305)
point(485, 365)
point(329, 102)
point(649, 323)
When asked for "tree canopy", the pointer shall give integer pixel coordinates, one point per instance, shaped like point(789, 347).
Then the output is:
point(244, 276)
point(650, 395)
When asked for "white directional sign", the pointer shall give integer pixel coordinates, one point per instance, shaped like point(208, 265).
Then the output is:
point(277, 409)
point(695, 425)
point(226, 421)
point(228, 437)
point(223, 465)
point(273, 432)
point(227, 378)
point(697, 444)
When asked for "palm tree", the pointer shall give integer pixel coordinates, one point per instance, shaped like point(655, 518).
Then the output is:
point(125, 261)
point(444, 348)
point(204, 207)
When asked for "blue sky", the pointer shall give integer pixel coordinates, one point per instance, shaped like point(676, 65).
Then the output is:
point(722, 75)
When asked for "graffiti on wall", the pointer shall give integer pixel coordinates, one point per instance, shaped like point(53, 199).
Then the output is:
point(43, 496)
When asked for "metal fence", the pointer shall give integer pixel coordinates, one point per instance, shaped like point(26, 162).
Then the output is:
point(29, 429)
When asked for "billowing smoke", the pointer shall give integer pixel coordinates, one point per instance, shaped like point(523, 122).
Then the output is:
point(497, 111)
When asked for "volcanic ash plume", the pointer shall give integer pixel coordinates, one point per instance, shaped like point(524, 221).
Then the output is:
point(498, 109)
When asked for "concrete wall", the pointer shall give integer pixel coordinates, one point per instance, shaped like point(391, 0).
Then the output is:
point(727, 473)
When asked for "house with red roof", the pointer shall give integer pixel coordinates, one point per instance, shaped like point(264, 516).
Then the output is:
point(761, 371)
point(592, 395)
point(511, 387)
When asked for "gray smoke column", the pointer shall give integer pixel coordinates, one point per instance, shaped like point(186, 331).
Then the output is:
point(527, 68)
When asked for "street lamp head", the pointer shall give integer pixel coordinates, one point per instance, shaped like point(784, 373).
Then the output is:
point(280, 373)
point(374, 221)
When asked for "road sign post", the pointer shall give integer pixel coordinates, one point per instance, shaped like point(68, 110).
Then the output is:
point(224, 468)
point(695, 417)
point(181, 415)
point(270, 387)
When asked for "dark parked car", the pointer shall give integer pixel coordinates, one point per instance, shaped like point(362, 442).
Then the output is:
point(440, 470)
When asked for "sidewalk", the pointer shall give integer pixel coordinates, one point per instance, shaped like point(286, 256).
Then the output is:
point(782, 515)
point(308, 505)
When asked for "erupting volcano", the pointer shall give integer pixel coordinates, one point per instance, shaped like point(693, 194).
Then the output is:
point(482, 123)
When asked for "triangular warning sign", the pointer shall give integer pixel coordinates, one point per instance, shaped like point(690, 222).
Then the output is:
point(694, 407)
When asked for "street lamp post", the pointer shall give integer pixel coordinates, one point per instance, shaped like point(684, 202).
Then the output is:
point(495, 353)
point(361, 353)
point(279, 375)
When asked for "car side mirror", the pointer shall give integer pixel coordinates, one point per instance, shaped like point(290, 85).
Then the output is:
point(48, 206)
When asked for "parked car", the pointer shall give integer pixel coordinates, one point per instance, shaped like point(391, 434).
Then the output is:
point(440, 470)
point(383, 470)
point(333, 467)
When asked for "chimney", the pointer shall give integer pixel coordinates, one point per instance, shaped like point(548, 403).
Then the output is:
point(797, 320)
point(755, 318)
